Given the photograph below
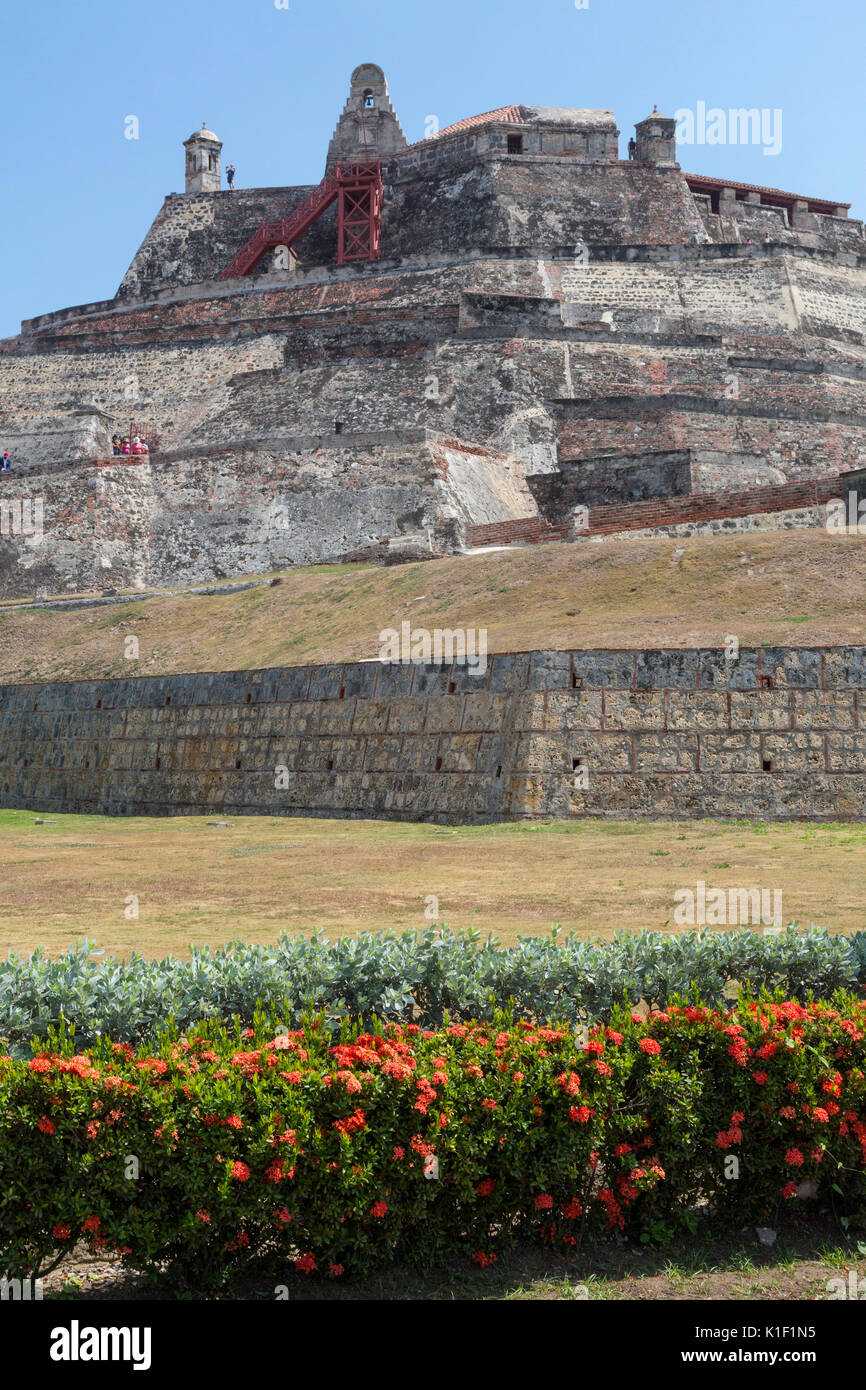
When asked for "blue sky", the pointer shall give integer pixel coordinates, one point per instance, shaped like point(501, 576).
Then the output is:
point(78, 197)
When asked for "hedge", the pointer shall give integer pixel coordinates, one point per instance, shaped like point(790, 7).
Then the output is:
point(302, 1150)
point(418, 976)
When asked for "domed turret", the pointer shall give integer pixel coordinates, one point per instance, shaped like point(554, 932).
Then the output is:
point(203, 161)
point(656, 140)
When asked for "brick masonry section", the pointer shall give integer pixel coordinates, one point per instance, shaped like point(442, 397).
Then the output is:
point(656, 512)
point(775, 733)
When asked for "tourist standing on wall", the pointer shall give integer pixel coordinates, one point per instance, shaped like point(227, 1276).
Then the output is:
point(7, 462)
point(230, 176)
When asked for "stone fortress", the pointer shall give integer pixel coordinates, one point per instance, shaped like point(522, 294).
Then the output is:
point(529, 329)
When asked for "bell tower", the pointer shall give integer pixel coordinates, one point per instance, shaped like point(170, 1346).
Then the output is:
point(369, 127)
point(203, 161)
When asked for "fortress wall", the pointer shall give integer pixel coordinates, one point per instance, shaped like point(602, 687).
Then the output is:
point(759, 293)
point(195, 235)
point(261, 306)
point(778, 733)
point(258, 396)
point(172, 386)
point(465, 196)
point(797, 447)
point(438, 200)
point(476, 393)
point(534, 201)
point(249, 510)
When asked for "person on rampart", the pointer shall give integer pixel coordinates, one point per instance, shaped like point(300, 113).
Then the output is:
point(7, 462)
point(115, 444)
point(632, 148)
point(230, 176)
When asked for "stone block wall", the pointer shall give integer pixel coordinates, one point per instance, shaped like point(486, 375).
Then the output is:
point(778, 733)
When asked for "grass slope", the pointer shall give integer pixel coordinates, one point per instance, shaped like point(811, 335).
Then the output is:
point(797, 587)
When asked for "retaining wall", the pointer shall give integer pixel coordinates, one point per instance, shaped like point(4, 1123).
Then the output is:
point(778, 733)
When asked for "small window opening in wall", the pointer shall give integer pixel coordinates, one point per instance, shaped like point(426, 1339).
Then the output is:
point(576, 682)
point(168, 699)
point(576, 763)
point(35, 705)
point(767, 682)
point(451, 687)
point(158, 763)
point(237, 762)
point(330, 764)
point(515, 144)
point(249, 697)
point(99, 704)
point(438, 767)
point(86, 763)
point(338, 427)
point(499, 770)
point(369, 100)
point(767, 764)
point(342, 692)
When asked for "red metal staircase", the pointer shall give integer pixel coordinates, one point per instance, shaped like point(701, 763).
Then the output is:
point(358, 189)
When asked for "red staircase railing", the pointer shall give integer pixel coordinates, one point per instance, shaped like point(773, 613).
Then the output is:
point(358, 187)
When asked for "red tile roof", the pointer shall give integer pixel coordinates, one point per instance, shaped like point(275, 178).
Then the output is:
point(502, 113)
point(709, 182)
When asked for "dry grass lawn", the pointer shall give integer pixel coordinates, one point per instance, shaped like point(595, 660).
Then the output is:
point(251, 877)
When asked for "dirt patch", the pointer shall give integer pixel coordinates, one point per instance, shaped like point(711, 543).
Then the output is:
point(803, 1264)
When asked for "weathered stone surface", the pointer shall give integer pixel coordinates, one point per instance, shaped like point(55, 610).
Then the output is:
point(541, 310)
point(432, 742)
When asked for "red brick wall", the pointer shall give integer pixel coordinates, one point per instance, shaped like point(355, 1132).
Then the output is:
point(532, 529)
point(632, 516)
point(711, 506)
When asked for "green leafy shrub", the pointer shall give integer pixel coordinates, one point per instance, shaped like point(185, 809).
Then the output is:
point(417, 977)
point(341, 1152)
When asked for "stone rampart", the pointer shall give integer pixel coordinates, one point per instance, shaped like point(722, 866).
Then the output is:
point(774, 733)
